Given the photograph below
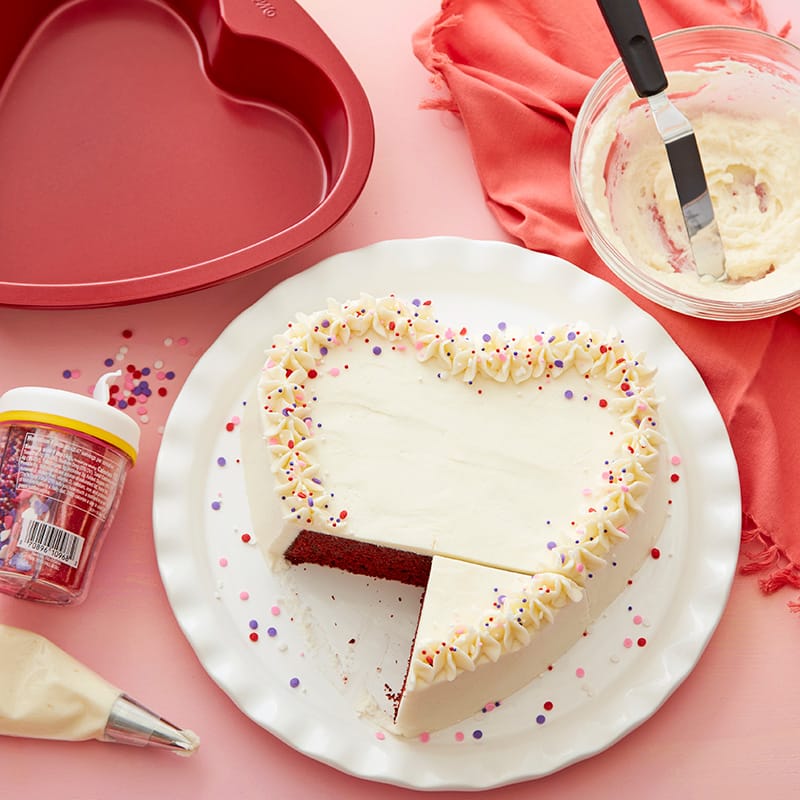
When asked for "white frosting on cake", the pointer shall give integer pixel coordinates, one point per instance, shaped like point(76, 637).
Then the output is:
point(520, 463)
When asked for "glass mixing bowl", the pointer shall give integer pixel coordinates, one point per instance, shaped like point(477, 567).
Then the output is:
point(740, 88)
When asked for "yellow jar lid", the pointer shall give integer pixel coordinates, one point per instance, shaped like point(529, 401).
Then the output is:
point(39, 404)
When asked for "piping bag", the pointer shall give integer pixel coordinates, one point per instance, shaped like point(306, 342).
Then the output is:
point(47, 694)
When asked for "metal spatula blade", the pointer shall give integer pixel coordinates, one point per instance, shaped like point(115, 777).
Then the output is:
point(631, 35)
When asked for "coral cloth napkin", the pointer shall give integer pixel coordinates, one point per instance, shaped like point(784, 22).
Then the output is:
point(516, 73)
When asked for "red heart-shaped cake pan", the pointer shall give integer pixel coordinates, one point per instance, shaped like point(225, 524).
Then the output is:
point(152, 147)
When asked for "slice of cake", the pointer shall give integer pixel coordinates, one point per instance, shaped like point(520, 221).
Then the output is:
point(519, 477)
point(484, 633)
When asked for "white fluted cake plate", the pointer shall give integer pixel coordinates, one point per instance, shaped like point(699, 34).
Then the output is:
point(314, 656)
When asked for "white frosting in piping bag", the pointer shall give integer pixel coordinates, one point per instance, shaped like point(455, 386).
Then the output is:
point(46, 693)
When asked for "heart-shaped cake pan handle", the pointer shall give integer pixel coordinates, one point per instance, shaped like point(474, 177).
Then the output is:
point(282, 21)
point(246, 39)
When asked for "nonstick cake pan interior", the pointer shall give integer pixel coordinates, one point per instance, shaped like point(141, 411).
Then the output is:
point(152, 147)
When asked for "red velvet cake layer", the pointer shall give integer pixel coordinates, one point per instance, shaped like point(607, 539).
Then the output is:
point(359, 558)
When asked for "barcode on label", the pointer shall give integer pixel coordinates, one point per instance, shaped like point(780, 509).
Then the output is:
point(50, 540)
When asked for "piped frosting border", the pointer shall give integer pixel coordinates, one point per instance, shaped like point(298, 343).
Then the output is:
point(294, 361)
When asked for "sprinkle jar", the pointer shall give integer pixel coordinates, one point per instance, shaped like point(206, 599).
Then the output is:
point(63, 462)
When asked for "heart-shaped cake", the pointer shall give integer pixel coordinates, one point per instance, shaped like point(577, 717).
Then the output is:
point(518, 476)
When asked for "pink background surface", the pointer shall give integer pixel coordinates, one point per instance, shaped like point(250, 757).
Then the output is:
point(729, 730)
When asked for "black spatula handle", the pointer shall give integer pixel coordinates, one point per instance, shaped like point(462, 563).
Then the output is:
point(628, 27)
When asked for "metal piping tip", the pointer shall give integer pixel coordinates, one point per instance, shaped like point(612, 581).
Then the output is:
point(131, 723)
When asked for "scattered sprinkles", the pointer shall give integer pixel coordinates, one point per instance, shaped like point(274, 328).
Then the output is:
point(133, 390)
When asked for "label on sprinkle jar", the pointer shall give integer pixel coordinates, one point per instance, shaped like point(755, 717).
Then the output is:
point(61, 477)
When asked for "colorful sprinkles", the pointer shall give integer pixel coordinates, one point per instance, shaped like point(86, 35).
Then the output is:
point(138, 384)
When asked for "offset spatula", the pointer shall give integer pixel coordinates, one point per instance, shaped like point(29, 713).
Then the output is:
point(628, 27)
